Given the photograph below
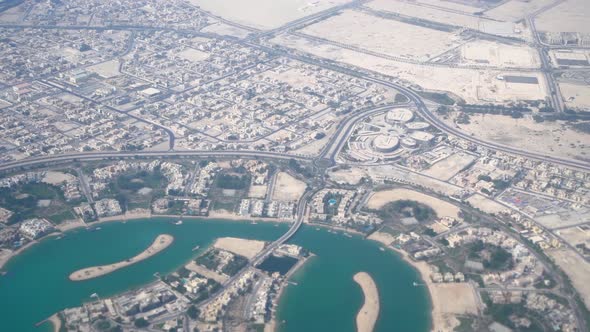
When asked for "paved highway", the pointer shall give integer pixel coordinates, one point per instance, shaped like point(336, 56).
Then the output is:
point(435, 121)
point(87, 156)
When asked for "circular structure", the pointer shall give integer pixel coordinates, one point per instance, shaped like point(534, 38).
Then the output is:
point(422, 136)
point(399, 115)
point(408, 142)
point(385, 143)
point(417, 125)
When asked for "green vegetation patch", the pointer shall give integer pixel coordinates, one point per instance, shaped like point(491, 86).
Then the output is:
point(437, 97)
point(23, 201)
point(406, 209)
point(231, 181)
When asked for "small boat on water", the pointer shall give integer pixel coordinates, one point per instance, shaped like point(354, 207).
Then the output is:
point(179, 222)
point(196, 248)
point(381, 248)
point(254, 223)
point(95, 229)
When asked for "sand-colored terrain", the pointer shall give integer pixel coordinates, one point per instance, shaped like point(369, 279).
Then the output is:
point(455, 6)
point(257, 191)
point(576, 268)
point(515, 10)
point(486, 205)
point(548, 137)
point(451, 165)
point(568, 16)
point(482, 52)
point(383, 35)
point(472, 85)
point(288, 188)
point(442, 208)
point(193, 55)
point(160, 243)
point(265, 14)
point(225, 29)
point(575, 95)
point(351, 175)
point(55, 322)
point(367, 315)
point(575, 236)
point(381, 237)
point(106, 69)
point(462, 295)
point(445, 16)
point(70, 224)
point(242, 247)
point(55, 178)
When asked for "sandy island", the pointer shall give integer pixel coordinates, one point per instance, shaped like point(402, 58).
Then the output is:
point(367, 315)
point(160, 243)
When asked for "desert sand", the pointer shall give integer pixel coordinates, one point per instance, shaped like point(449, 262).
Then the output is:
point(242, 247)
point(367, 315)
point(288, 188)
point(160, 243)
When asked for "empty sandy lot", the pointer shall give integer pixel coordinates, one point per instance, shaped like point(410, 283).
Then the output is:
point(576, 268)
point(367, 315)
point(575, 236)
point(288, 188)
point(383, 35)
point(106, 69)
point(242, 247)
point(442, 208)
point(449, 300)
point(486, 205)
point(264, 14)
point(351, 175)
point(526, 134)
point(474, 86)
point(192, 54)
point(568, 16)
point(443, 16)
point(515, 10)
point(575, 95)
point(257, 191)
point(451, 165)
point(482, 52)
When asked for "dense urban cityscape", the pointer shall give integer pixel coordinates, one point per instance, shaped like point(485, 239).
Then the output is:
point(317, 165)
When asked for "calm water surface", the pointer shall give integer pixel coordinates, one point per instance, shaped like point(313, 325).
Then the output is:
point(324, 299)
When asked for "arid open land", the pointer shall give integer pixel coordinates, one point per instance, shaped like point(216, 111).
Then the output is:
point(451, 134)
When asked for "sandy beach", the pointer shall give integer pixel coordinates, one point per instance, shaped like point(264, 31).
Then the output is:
point(56, 322)
point(160, 243)
point(447, 300)
point(367, 315)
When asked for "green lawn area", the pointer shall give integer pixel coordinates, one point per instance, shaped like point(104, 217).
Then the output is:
point(23, 201)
